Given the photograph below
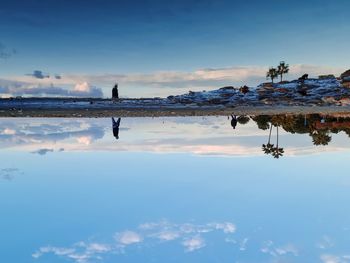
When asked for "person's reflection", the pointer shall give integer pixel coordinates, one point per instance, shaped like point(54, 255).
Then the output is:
point(115, 125)
point(234, 121)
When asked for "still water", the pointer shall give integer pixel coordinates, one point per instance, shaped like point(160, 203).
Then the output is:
point(181, 189)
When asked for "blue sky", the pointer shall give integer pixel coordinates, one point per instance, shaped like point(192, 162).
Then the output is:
point(129, 37)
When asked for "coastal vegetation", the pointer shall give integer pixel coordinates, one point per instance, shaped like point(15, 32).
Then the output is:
point(281, 69)
point(272, 73)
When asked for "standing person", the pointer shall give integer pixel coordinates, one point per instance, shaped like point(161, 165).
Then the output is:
point(234, 121)
point(115, 125)
point(115, 93)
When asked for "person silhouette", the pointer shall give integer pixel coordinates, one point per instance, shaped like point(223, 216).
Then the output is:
point(115, 125)
point(234, 121)
point(115, 93)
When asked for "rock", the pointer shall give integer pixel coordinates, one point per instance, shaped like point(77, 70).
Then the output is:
point(215, 101)
point(330, 76)
point(267, 85)
point(282, 90)
point(244, 89)
point(226, 95)
point(345, 101)
point(329, 99)
point(303, 77)
point(346, 84)
point(302, 90)
point(227, 88)
point(345, 75)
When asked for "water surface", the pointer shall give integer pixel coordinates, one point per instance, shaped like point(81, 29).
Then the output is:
point(175, 189)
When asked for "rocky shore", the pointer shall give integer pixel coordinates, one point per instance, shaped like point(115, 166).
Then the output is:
point(326, 93)
point(323, 91)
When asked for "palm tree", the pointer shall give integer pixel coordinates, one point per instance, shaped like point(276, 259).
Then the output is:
point(272, 74)
point(282, 68)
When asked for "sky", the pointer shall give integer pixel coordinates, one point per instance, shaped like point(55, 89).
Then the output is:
point(164, 47)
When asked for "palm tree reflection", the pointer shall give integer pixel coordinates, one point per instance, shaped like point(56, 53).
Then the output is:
point(276, 151)
point(269, 148)
point(317, 126)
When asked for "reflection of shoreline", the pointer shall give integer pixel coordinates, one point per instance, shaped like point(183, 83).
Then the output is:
point(318, 127)
point(204, 136)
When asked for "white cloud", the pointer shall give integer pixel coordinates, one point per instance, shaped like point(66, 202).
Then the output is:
point(82, 87)
point(275, 251)
point(80, 253)
point(227, 227)
point(328, 258)
point(193, 243)
point(85, 140)
point(189, 235)
point(287, 249)
point(58, 251)
point(128, 238)
point(98, 247)
point(167, 235)
point(8, 131)
point(10, 88)
point(209, 77)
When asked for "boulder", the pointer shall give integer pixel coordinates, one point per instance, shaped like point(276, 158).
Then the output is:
point(303, 77)
point(345, 75)
point(244, 89)
point(303, 90)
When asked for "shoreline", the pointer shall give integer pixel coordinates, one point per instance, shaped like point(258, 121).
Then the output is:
point(324, 96)
point(172, 112)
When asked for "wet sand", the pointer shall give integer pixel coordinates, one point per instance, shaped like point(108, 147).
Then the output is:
point(168, 111)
